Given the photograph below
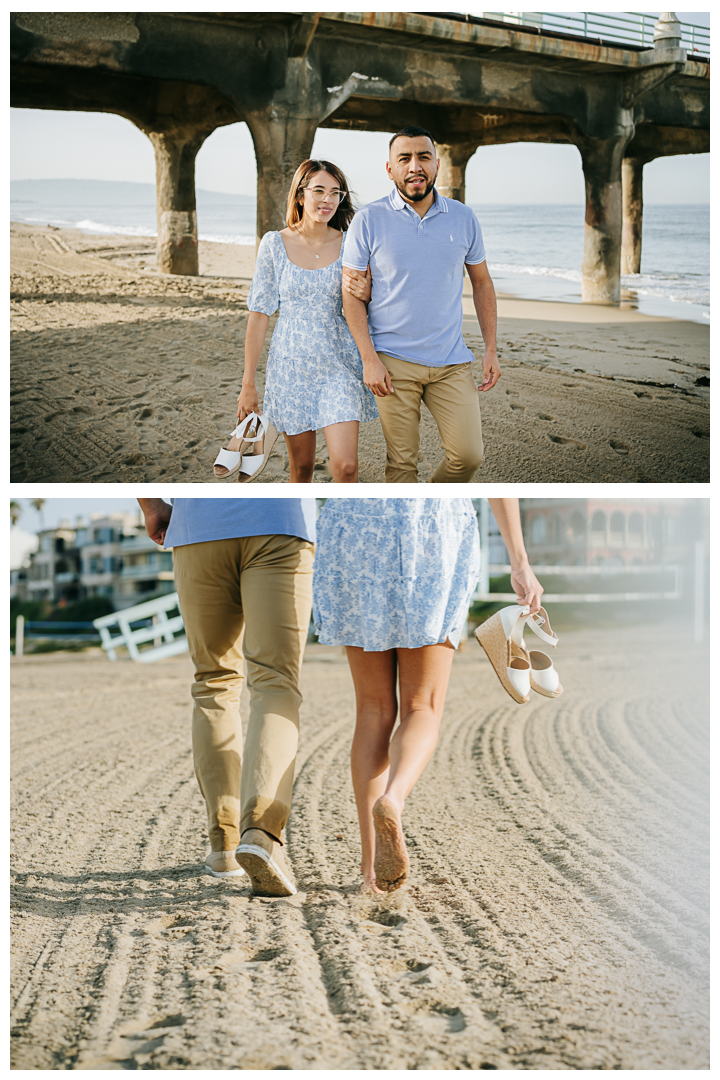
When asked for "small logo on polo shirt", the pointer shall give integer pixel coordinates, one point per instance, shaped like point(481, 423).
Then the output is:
point(451, 238)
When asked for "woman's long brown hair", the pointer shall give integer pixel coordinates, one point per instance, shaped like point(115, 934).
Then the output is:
point(345, 211)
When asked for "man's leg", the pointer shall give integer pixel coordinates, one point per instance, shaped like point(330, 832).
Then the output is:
point(276, 589)
point(400, 419)
point(207, 577)
point(452, 398)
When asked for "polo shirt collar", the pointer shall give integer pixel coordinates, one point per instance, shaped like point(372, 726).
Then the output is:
point(398, 203)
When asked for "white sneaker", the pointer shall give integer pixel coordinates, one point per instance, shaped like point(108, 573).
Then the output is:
point(263, 859)
point(223, 864)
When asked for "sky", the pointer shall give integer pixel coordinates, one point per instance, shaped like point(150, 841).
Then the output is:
point(95, 146)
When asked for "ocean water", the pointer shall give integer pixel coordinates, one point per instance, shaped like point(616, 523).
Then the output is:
point(533, 251)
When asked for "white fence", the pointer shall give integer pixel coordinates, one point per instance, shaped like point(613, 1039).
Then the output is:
point(116, 630)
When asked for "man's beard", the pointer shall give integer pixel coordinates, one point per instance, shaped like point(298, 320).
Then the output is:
point(416, 196)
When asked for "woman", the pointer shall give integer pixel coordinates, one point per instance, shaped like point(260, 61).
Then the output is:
point(393, 582)
point(314, 371)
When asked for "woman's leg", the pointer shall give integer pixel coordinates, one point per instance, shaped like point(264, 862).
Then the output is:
point(374, 675)
point(301, 454)
point(342, 444)
point(423, 674)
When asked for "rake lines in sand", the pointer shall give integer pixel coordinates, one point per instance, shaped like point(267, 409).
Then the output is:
point(537, 941)
point(382, 967)
point(588, 842)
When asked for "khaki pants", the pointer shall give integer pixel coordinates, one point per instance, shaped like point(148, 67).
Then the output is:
point(452, 397)
point(262, 584)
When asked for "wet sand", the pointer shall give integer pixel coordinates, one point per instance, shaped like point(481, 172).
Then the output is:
point(123, 375)
point(555, 918)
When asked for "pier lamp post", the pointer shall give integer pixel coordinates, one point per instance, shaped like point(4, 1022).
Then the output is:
point(668, 31)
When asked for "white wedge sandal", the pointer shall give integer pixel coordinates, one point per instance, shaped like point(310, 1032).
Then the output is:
point(231, 460)
point(502, 639)
point(265, 437)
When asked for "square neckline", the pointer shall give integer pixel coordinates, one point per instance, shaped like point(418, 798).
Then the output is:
point(312, 269)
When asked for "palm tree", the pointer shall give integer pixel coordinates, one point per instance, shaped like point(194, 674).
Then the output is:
point(38, 504)
point(15, 512)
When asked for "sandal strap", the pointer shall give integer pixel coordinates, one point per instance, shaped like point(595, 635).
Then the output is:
point(537, 621)
point(228, 458)
point(251, 464)
point(242, 427)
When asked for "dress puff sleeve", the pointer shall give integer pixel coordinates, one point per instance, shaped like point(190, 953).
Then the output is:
point(264, 295)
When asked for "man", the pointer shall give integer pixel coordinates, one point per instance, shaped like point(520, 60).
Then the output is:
point(243, 564)
point(416, 243)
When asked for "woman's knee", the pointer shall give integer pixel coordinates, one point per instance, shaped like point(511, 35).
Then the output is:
point(345, 469)
point(377, 711)
point(303, 471)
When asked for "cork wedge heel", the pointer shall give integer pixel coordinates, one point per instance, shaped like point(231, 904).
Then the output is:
point(501, 638)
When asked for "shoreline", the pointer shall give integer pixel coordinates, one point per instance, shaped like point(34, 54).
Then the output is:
point(541, 285)
point(133, 376)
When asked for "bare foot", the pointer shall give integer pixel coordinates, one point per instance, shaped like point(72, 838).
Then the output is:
point(369, 885)
point(391, 858)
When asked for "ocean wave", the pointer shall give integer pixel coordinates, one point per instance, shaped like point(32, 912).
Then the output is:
point(538, 271)
point(121, 230)
point(47, 220)
point(678, 288)
point(223, 239)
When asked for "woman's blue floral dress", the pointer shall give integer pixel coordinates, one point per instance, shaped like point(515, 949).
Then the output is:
point(394, 573)
point(314, 370)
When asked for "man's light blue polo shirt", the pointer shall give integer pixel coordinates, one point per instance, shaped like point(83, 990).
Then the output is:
point(195, 521)
point(417, 275)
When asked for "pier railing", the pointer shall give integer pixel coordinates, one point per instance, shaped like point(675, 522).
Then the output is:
point(634, 28)
point(598, 597)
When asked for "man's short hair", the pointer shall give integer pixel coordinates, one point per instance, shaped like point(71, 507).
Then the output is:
point(411, 132)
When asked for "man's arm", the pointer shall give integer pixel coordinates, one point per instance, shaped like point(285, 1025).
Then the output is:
point(485, 303)
point(375, 375)
point(157, 518)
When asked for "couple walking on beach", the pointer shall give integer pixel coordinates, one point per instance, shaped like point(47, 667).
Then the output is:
point(396, 267)
point(392, 583)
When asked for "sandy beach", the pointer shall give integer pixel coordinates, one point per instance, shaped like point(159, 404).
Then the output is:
point(121, 374)
point(556, 916)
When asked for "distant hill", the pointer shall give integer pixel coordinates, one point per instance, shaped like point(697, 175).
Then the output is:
point(104, 192)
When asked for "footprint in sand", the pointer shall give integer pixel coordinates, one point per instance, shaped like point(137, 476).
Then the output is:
point(512, 393)
point(517, 408)
point(387, 918)
point(417, 966)
point(546, 416)
point(560, 440)
point(619, 447)
point(701, 433)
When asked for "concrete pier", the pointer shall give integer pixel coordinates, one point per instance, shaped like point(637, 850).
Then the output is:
point(632, 215)
point(453, 163)
point(283, 133)
point(469, 81)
